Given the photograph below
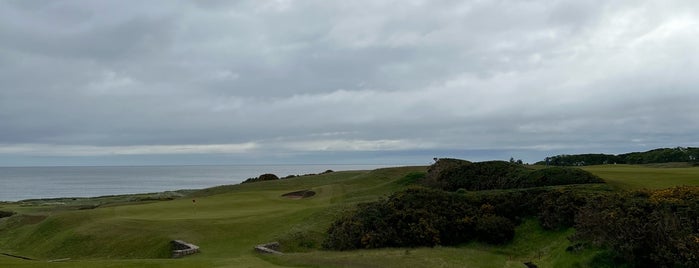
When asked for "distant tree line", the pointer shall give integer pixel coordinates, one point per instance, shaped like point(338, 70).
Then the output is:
point(272, 177)
point(662, 155)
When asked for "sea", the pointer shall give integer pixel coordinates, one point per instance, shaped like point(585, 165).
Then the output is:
point(21, 183)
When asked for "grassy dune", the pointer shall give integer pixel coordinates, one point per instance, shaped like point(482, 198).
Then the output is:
point(227, 221)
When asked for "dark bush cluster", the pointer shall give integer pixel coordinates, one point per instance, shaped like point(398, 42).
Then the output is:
point(4, 214)
point(451, 175)
point(558, 176)
point(427, 217)
point(557, 209)
point(419, 217)
point(646, 229)
point(641, 228)
point(430, 217)
point(263, 177)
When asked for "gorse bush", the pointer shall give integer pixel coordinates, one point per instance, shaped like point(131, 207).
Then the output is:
point(452, 174)
point(558, 176)
point(642, 228)
point(418, 217)
point(557, 209)
point(426, 217)
point(647, 229)
point(430, 217)
point(494, 229)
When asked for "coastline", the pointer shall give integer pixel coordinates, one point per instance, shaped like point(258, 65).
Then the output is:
point(25, 183)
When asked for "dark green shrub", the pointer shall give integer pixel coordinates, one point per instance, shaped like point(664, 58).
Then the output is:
point(345, 233)
point(4, 214)
point(483, 176)
point(442, 168)
point(263, 177)
point(557, 209)
point(658, 229)
point(559, 176)
point(512, 204)
point(452, 174)
point(494, 229)
point(268, 177)
point(421, 217)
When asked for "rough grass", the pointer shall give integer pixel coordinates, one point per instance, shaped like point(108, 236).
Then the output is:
point(227, 221)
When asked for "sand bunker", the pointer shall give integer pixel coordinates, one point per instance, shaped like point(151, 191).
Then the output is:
point(299, 194)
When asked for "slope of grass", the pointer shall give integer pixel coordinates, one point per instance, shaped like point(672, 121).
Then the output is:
point(226, 222)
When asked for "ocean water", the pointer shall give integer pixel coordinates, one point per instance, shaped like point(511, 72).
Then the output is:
point(20, 183)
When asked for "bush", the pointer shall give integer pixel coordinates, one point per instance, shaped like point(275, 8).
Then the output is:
point(419, 217)
point(658, 229)
point(4, 214)
point(268, 177)
point(442, 168)
point(263, 177)
point(559, 176)
point(557, 209)
point(427, 217)
point(494, 229)
point(452, 174)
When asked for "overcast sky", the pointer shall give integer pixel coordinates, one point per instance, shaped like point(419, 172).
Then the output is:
point(228, 82)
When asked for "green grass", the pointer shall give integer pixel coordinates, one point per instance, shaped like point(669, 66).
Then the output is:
point(227, 221)
point(634, 177)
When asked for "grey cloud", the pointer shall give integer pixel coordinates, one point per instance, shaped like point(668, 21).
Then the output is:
point(444, 75)
point(61, 30)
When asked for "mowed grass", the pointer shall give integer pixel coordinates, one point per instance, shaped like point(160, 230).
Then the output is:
point(635, 177)
point(227, 221)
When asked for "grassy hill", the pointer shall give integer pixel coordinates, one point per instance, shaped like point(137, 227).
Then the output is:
point(227, 221)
